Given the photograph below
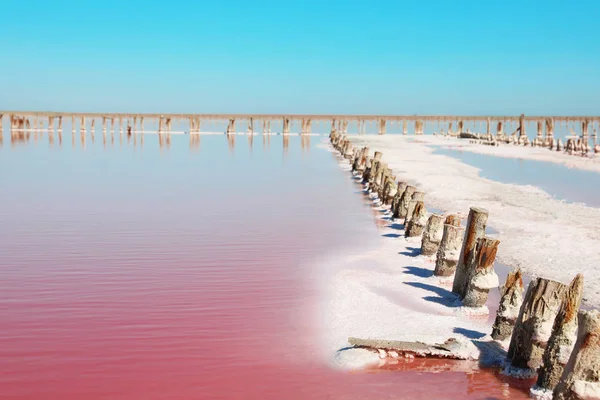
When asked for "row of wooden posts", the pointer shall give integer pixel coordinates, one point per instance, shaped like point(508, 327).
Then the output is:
point(575, 144)
point(547, 331)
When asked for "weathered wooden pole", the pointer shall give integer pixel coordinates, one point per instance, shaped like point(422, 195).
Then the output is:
point(449, 250)
point(510, 304)
point(563, 337)
point(396, 201)
point(475, 230)
point(414, 199)
point(404, 127)
point(417, 223)
point(581, 376)
point(522, 133)
point(382, 126)
point(534, 324)
point(286, 125)
point(404, 201)
point(432, 237)
point(549, 131)
point(231, 127)
point(482, 277)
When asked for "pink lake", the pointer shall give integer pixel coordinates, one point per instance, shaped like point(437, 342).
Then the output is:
point(131, 272)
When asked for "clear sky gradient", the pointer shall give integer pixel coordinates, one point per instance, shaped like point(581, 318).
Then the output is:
point(326, 56)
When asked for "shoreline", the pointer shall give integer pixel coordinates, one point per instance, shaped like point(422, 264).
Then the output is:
point(541, 235)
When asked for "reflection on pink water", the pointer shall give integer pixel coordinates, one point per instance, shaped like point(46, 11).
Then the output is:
point(145, 275)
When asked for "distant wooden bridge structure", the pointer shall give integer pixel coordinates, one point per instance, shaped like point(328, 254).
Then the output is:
point(51, 121)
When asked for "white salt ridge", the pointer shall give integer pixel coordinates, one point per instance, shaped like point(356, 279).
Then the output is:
point(542, 235)
point(539, 393)
point(588, 163)
point(487, 281)
point(385, 292)
point(587, 390)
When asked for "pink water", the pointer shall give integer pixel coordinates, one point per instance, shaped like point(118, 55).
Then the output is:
point(130, 273)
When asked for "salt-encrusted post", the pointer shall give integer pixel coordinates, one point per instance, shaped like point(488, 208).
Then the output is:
point(449, 250)
point(403, 204)
point(522, 134)
point(475, 230)
point(417, 223)
point(389, 189)
point(382, 126)
point(581, 376)
point(433, 234)
point(231, 126)
point(415, 198)
point(482, 277)
point(563, 337)
point(286, 125)
point(396, 201)
point(510, 304)
point(549, 131)
point(534, 324)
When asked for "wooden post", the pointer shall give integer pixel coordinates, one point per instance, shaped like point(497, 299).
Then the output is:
point(522, 134)
point(414, 199)
point(449, 250)
point(417, 223)
point(396, 201)
point(563, 337)
point(382, 126)
point(510, 304)
point(475, 230)
point(482, 278)
point(404, 200)
point(549, 131)
point(389, 189)
point(534, 324)
point(231, 127)
point(433, 234)
point(286, 125)
point(581, 376)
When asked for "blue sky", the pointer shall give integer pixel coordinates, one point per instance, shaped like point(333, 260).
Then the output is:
point(372, 57)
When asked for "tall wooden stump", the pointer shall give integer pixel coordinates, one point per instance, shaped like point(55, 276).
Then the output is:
point(396, 201)
point(581, 376)
point(563, 337)
point(432, 237)
point(366, 175)
point(482, 278)
point(449, 250)
point(417, 223)
point(415, 198)
point(475, 230)
point(389, 190)
point(404, 200)
point(534, 324)
point(510, 304)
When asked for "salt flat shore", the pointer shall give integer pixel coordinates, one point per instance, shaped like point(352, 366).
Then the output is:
point(591, 163)
point(542, 235)
point(389, 292)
